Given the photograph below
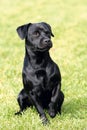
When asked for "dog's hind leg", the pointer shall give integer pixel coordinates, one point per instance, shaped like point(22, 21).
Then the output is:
point(23, 101)
point(60, 102)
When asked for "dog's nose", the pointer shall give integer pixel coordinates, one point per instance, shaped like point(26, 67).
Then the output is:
point(46, 41)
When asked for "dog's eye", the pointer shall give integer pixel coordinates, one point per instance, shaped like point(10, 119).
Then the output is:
point(48, 33)
point(36, 33)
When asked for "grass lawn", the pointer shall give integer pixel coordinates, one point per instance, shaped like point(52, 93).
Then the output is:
point(69, 23)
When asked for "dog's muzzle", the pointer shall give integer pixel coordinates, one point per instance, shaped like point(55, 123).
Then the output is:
point(45, 44)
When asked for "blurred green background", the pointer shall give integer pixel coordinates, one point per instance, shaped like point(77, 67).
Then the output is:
point(68, 19)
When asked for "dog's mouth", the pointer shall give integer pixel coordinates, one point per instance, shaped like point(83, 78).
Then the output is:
point(44, 48)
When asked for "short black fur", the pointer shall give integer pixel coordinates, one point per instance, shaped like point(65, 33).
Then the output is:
point(41, 75)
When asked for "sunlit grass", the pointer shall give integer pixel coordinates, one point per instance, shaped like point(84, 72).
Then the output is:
point(69, 23)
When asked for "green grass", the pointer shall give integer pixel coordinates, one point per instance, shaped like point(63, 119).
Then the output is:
point(69, 23)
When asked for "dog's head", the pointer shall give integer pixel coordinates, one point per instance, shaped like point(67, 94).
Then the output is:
point(36, 35)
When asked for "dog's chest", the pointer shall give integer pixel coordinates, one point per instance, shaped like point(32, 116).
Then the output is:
point(41, 78)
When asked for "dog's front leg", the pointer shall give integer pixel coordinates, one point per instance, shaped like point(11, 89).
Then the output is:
point(37, 104)
point(54, 99)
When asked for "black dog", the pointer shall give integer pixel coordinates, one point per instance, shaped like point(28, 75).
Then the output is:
point(41, 76)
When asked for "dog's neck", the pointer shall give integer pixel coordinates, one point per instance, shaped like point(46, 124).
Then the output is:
point(37, 59)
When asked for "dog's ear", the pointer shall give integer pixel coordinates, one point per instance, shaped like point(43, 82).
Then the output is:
point(49, 27)
point(22, 30)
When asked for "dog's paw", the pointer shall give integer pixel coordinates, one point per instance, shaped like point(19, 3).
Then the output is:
point(52, 113)
point(44, 120)
point(51, 110)
point(18, 113)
